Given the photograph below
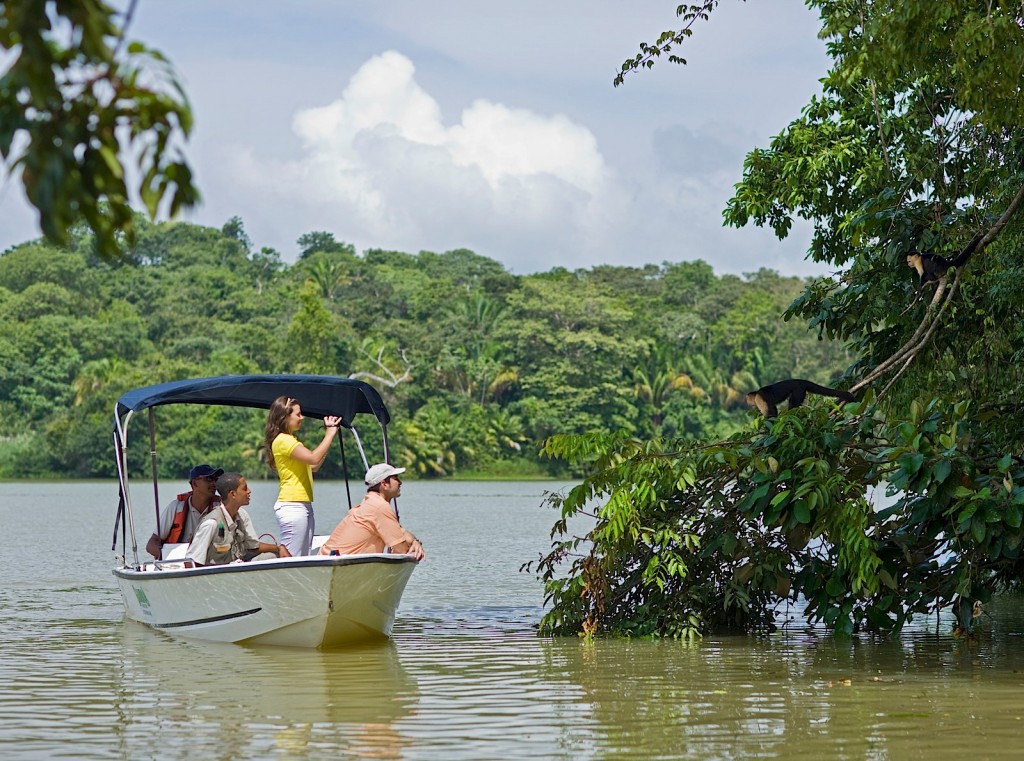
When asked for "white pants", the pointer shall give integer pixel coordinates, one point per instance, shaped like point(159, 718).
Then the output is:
point(295, 520)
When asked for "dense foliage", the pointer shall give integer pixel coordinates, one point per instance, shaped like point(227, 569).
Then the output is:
point(914, 144)
point(477, 365)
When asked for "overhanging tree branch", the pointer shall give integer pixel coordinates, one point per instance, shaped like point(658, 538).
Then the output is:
point(936, 309)
point(649, 52)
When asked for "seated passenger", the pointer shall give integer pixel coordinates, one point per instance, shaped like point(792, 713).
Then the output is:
point(226, 533)
point(372, 525)
point(181, 517)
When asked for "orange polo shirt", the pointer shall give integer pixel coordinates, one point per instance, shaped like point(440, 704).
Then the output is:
point(370, 526)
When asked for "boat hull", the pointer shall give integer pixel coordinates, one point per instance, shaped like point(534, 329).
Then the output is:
point(313, 602)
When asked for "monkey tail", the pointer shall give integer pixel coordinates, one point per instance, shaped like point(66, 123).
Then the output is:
point(964, 255)
point(846, 396)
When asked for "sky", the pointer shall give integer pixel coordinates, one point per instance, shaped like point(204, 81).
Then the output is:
point(444, 124)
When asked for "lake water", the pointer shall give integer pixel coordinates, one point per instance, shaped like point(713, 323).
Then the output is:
point(465, 677)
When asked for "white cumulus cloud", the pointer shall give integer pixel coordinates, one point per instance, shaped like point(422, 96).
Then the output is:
point(381, 168)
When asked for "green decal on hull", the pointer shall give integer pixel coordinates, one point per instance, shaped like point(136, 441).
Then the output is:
point(141, 597)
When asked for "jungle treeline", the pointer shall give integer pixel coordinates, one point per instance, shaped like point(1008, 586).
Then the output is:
point(477, 365)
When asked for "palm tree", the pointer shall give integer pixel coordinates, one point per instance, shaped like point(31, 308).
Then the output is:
point(330, 275)
point(96, 375)
point(657, 379)
point(477, 317)
point(505, 430)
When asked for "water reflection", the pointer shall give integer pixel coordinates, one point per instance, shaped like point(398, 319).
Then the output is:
point(346, 700)
point(486, 690)
point(803, 696)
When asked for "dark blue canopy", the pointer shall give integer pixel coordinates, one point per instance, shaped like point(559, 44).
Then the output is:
point(319, 395)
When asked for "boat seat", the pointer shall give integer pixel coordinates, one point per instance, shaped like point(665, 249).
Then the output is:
point(163, 565)
point(174, 551)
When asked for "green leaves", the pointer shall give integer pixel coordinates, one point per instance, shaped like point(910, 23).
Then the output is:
point(915, 144)
point(718, 533)
point(666, 41)
point(941, 540)
point(802, 512)
point(85, 107)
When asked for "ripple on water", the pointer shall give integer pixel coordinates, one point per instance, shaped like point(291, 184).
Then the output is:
point(466, 677)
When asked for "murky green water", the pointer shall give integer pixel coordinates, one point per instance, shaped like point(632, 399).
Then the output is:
point(465, 677)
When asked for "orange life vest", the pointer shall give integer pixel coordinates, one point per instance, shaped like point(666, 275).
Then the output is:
point(180, 515)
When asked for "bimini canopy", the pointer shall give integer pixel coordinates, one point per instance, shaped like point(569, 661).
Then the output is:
point(318, 395)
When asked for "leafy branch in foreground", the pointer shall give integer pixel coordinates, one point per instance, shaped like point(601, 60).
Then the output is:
point(90, 119)
point(667, 40)
point(690, 538)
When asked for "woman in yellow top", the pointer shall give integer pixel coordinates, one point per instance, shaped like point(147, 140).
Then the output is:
point(295, 466)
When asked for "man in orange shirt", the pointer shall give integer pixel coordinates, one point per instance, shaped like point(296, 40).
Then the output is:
point(372, 525)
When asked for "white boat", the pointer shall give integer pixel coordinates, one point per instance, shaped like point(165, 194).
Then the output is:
point(313, 601)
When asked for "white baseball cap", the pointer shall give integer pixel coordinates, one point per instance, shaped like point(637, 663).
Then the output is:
point(380, 472)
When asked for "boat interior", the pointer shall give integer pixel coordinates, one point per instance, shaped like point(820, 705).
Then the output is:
point(173, 555)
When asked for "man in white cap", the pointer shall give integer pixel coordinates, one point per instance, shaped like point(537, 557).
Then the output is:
point(180, 519)
point(372, 525)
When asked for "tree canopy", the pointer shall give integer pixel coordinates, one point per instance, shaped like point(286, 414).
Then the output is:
point(915, 144)
point(478, 365)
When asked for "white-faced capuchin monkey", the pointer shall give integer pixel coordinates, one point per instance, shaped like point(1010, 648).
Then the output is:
point(792, 391)
point(931, 267)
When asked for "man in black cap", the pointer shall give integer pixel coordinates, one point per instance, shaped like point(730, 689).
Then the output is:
point(179, 520)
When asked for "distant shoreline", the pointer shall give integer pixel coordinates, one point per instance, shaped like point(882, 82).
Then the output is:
point(412, 479)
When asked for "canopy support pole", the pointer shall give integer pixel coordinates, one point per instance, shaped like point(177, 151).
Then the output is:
point(359, 444)
point(127, 519)
point(344, 467)
point(152, 458)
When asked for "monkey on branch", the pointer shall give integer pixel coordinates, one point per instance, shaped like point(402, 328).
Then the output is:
point(793, 392)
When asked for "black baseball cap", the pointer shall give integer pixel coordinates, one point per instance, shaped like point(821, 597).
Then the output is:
point(205, 471)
